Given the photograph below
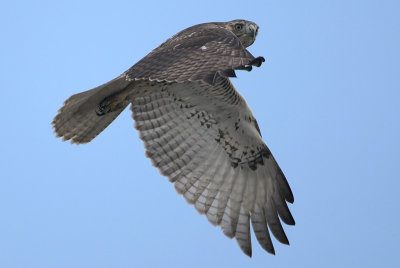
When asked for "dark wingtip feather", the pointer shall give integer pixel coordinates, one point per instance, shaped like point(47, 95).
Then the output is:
point(248, 252)
point(274, 222)
point(258, 221)
point(282, 208)
point(284, 186)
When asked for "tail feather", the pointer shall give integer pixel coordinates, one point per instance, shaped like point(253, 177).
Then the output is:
point(79, 120)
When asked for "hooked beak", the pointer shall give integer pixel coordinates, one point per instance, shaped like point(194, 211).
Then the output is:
point(253, 30)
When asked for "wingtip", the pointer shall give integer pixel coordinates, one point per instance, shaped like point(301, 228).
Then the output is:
point(248, 253)
point(268, 247)
point(285, 241)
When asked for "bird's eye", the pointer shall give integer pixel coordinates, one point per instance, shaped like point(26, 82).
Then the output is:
point(239, 26)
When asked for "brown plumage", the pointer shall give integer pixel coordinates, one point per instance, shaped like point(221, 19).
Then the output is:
point(196, 128)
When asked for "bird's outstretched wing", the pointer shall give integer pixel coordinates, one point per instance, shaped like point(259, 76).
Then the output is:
point(198, 53)
point(207, 142)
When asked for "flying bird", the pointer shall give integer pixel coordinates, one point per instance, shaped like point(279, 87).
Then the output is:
point(197, 129)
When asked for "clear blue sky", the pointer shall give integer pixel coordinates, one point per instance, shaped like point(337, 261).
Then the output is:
point(327, 101)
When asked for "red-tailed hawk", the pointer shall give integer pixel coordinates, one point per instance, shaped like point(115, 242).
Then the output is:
point(196, 127)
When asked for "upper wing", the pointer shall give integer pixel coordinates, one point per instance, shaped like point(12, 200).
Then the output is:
point(205, 139)
point(197, 53)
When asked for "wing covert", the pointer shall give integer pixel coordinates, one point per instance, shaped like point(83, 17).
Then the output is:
point(198, 53)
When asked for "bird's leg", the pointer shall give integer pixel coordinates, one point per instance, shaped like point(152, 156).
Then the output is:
point(112, 102)
point(245, 67)
point(257, 61)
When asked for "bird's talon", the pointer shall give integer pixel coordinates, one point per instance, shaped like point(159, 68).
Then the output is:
point(257, 61)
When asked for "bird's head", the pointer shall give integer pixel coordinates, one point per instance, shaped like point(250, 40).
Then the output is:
point(245, 30)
